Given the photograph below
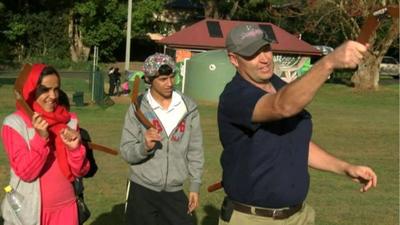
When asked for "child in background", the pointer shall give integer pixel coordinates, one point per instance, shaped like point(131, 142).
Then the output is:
point(125, 88)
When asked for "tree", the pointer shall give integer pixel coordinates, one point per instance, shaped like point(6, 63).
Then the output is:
point(46, 38)
point(78, 50)
point(35, 29)
point(338, 20)
point(97, 23)
point(324, 22)
point(220, 9)
point(145, 18)
point(252, 10)
point(5, 49)
point(211, 9)
point(35, 35)
point(14, 33)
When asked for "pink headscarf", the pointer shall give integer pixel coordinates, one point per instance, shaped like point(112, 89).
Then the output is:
point(57, 120)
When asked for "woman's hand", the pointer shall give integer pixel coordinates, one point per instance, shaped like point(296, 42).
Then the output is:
point(71, 138)
point(40, 125)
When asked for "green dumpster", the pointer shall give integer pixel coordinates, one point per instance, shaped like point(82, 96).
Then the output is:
point(77, 98)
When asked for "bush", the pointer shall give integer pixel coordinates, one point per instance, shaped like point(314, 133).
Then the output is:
point(341, 76)
point(60, 63)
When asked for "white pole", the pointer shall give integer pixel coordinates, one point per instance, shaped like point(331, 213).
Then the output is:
point(183, 73)
point(128, 37)
point(95, 55)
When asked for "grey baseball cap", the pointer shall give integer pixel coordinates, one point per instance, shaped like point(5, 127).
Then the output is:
point(247, 39)
point(153, 63)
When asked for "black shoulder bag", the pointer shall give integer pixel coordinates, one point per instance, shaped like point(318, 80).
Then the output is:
point(83, 210)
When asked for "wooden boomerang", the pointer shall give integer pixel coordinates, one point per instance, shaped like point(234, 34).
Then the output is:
point(18, 87)
point(102, 148)
point(372, 23)
point(367, 30)
point(138, 113)
point(214, 187)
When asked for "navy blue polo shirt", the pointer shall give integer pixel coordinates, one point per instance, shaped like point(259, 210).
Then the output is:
point(264, 164)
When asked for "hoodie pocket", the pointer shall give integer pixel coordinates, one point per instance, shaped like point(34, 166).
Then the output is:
point(177, 172)
point(150, 172)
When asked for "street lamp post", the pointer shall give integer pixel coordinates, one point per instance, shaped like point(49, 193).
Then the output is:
point(128, 37)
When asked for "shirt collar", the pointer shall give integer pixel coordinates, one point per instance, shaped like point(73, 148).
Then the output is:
point(176, 100)
point(277, 82)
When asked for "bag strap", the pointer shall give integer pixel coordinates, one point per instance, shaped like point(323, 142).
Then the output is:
point(140, 98)
point(24, 133)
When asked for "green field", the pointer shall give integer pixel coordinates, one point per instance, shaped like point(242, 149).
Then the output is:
point(362, 127)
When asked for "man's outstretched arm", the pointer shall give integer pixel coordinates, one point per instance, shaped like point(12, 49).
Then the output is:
point(322, 160)
point(292, 98)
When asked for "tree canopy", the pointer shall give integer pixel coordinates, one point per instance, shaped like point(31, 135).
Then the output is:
point(70, 29)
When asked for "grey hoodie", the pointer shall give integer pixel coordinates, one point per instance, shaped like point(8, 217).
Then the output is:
point(181, 154)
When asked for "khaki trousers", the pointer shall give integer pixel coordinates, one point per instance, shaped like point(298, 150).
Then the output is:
point(305, 216)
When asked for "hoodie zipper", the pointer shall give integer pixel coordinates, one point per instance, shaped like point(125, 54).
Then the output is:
point(169, 136)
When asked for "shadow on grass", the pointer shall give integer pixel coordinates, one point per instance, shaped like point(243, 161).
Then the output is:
point(212, 215)
point(116, 216)
point(341, 81)
point(347, 82)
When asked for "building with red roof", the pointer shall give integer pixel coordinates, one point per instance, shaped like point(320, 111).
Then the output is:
point(210, 34)
point(212, 69)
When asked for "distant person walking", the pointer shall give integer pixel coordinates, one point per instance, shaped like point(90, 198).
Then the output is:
point(114, 80)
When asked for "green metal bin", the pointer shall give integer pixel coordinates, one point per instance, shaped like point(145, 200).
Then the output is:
point(77, 98)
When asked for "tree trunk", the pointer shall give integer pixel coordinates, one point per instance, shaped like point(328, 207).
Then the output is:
point(79, 52)
point(233, 10)
point(367, 75)
point(211, 9)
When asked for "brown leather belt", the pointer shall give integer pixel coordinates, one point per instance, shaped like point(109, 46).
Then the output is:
point(278, 214)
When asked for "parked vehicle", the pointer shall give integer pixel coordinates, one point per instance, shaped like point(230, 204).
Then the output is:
point(390, 67)
point(325, 50)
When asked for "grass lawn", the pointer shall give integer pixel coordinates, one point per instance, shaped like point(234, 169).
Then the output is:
point(362, 127)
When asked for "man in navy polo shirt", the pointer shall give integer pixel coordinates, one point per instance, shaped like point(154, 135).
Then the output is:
point(266, 132)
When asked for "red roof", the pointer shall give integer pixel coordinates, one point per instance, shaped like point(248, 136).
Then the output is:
point(197, 36)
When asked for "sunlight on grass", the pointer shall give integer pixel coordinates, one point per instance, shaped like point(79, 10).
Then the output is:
point(362, 127)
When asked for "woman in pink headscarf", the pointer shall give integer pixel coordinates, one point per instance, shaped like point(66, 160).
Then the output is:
point(45, 154)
